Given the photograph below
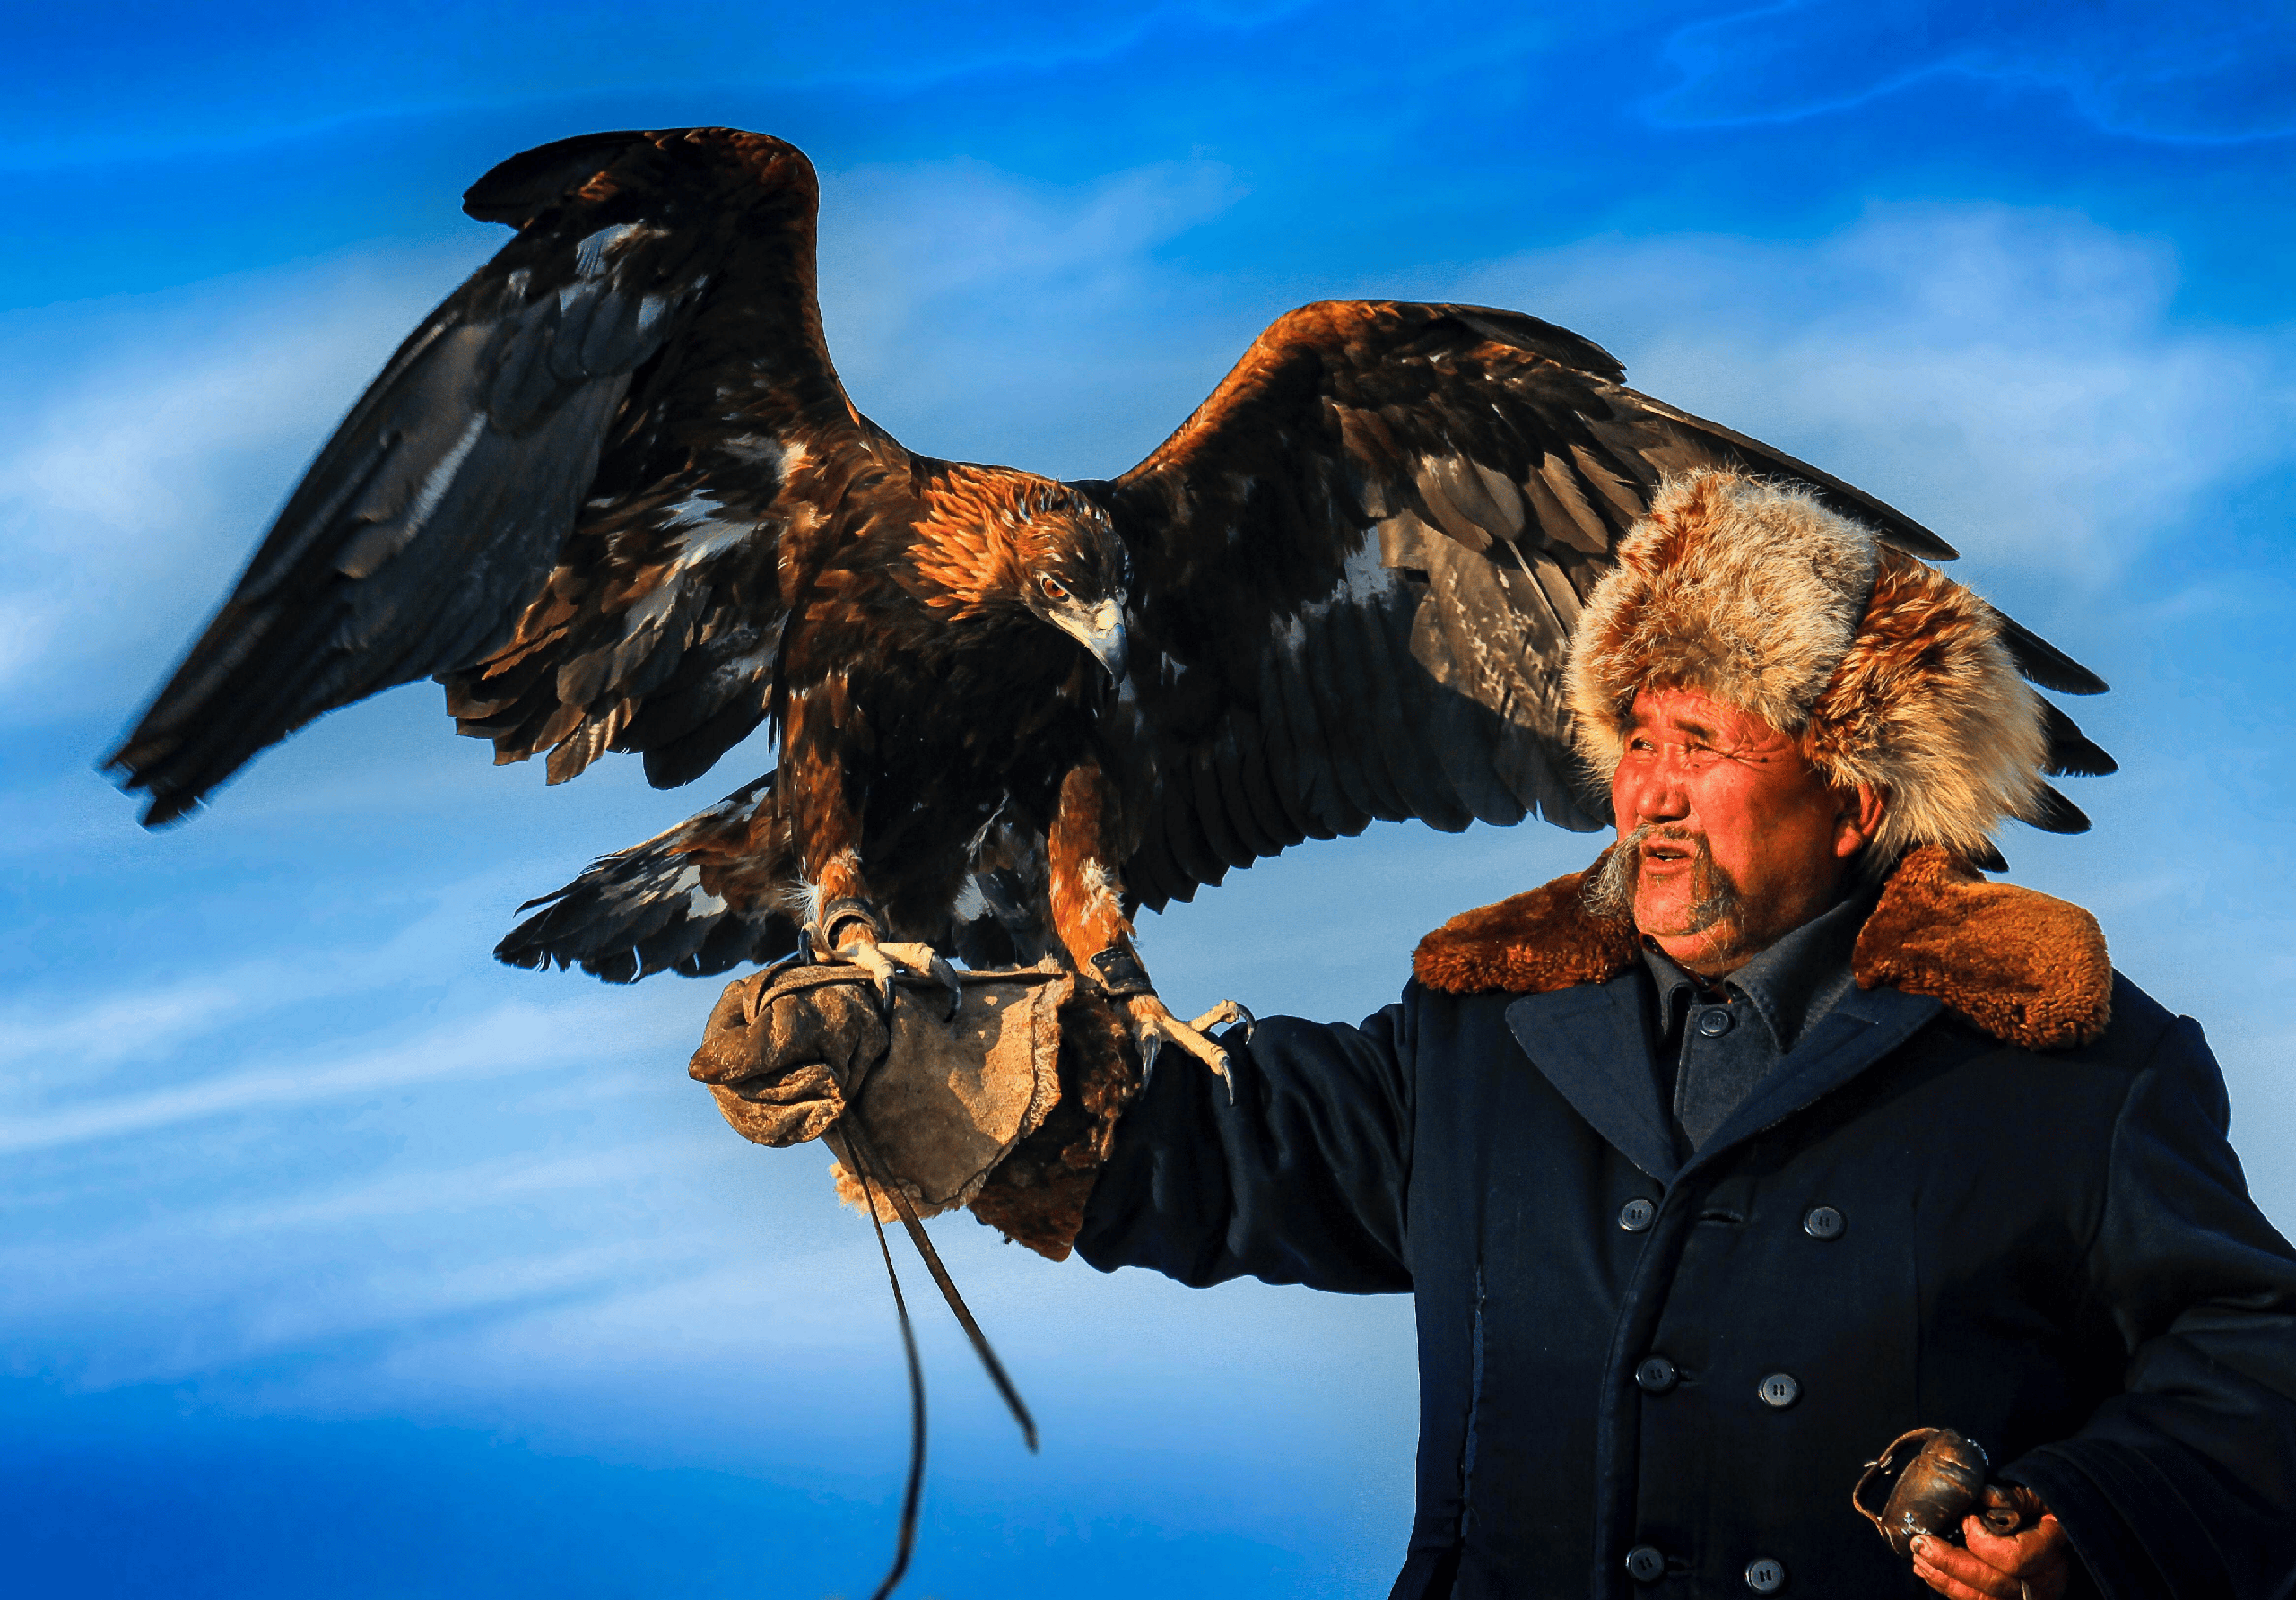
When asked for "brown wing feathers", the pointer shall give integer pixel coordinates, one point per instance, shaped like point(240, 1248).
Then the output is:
point(1362, 560)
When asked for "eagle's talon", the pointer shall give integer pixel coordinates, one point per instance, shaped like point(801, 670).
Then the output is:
point(1224, 1013)
point(1154, 1026)
point(885, 963)
point(923, 958)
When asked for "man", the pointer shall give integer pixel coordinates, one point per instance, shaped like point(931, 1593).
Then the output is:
point(1779, 1133)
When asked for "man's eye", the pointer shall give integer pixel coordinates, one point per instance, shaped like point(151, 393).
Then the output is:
point(1053, 589)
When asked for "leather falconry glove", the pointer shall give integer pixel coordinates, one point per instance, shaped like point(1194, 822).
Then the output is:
point(937, 1100)
point(781, 1045)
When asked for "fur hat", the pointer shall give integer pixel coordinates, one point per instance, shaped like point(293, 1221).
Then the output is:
point(1888, 672)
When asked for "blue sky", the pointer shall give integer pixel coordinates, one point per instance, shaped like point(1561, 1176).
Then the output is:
point(340, 1260)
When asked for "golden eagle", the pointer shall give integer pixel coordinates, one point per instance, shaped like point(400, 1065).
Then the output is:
point(612, 496)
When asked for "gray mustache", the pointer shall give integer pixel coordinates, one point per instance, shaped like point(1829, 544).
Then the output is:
point(1610, 892)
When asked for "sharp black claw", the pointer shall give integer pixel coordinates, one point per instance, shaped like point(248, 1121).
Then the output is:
point(1228, 1075)
point(1150, 1043)
point(1251, 1022)
point(948, 977)
point(886, 995)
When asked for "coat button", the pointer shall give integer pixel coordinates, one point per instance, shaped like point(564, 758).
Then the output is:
point(1779, 1390)
point(1636, 1215)
point(1646, 1564)
point(1765, 1574)
point(1823, 1222)
point(1714, 1021)
point(1655, 1374)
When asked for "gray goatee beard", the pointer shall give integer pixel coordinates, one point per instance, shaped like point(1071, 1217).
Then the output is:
point(1610, 892)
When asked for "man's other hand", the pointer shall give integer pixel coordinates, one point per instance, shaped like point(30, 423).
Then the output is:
point(2034, 1563)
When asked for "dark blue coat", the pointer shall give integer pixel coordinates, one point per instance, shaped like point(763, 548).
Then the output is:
point(2051, 1250)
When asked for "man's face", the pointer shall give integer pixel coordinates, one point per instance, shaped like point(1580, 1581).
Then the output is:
point(1733, 839)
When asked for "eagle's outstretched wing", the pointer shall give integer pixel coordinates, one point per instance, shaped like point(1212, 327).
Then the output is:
point(722, 889)
point(570, 495)
point(703, 896)
point(1357, 569)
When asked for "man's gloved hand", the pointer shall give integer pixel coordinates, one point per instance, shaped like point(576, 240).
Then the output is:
point(782, 1050)
point(2034, 1563)
point(1008, 1107)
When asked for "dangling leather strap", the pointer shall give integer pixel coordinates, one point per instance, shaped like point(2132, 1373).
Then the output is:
point(913, 1491)
point(872, 1174)
point(858, 1144)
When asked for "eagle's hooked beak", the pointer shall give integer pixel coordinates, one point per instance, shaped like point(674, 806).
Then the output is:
point(1099, 631)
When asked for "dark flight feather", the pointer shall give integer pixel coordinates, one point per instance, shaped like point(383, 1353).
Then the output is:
point(2071, 752)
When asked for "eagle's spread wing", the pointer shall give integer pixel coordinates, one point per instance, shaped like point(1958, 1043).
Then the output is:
point(567, 495)
point(703, 896)
point(721, 889)
point(1357, 569)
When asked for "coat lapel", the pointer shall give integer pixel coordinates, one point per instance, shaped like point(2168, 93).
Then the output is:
point(1592, 1043)
point(1864, 1026)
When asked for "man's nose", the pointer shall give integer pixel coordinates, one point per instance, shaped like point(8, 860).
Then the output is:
point(1659, 794)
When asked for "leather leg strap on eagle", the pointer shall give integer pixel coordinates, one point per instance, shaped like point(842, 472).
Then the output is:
point(850, 929)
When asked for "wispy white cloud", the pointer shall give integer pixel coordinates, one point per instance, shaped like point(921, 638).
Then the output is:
point(191, 86)
point(113, 1028)
point(511, 1038)
point(461, 1189)
point(2217, 71)
point(59, 1042)
point(161, 432)
point(980, 314)
point(2019, 379)
point(264, 1210)
point(899, 238)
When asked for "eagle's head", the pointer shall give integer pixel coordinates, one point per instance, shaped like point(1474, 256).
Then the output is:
point(1000, 542)
point(1073, 572)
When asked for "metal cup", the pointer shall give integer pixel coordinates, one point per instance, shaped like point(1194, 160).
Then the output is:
point(1935, 1478)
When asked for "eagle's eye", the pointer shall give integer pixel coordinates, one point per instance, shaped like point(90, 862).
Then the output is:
point(1053, 588)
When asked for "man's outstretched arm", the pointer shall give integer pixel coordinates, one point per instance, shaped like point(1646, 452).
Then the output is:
point(1299, 1180)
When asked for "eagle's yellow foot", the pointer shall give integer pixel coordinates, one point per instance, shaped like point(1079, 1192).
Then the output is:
point(1154, 1026)
point(1225, 1014)
point(884, 962)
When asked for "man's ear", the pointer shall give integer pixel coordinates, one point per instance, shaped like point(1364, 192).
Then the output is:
point(1859, 819)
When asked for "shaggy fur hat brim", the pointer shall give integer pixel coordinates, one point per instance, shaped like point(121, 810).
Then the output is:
point(1889, 673)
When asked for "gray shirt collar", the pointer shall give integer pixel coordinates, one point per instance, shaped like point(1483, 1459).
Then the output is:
point(1790, 986)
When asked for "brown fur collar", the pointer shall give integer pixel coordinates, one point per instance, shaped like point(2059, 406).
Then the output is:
point(2029, 970)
